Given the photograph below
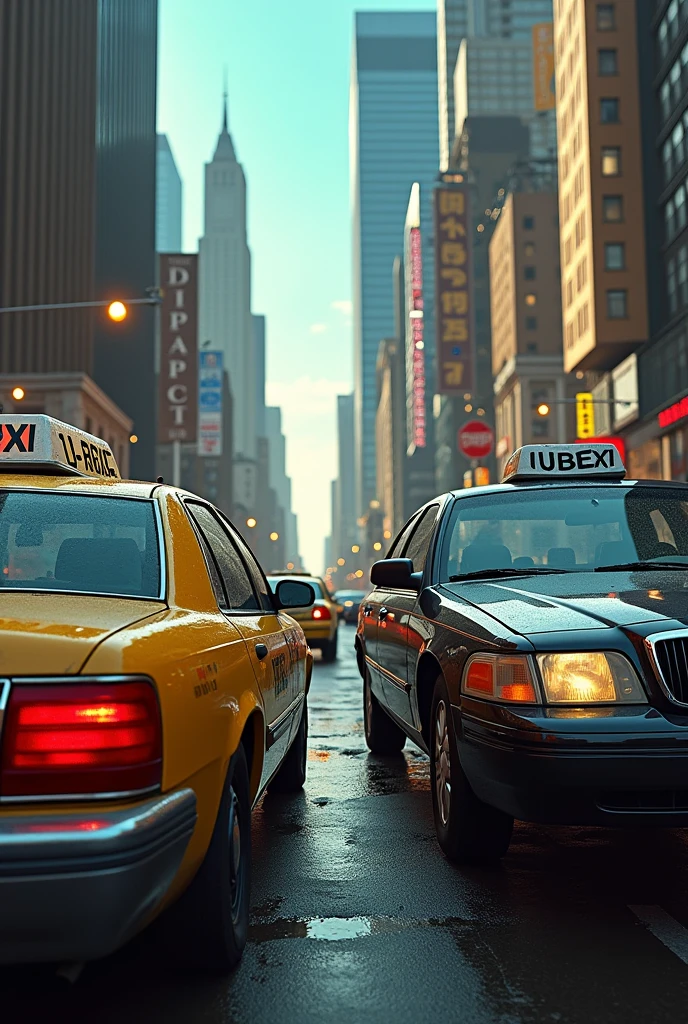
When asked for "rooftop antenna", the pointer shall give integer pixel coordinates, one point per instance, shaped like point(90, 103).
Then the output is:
point(225, 97)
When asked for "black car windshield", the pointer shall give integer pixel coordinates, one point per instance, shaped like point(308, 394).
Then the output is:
point(80, 543)
point(575, 529)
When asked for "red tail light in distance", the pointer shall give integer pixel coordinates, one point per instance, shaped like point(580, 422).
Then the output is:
point(81, 738)
point(321, 613)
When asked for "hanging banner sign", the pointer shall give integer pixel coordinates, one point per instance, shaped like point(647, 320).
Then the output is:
point(210, 404)
point(453, 291)
point(178, 378)
point(543, 66)
point(585, 415)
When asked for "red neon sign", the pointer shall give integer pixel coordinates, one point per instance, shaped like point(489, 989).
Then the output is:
point(677, 411)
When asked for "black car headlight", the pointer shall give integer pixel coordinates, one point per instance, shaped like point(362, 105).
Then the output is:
point(576, 678)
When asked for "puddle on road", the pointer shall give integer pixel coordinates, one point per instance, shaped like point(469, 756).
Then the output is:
point(343, 929)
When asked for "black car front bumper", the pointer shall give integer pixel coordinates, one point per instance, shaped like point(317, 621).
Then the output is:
point(607, 766)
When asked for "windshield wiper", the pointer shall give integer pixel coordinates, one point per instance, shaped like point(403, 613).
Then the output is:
point(642, 565)
point(484, 574)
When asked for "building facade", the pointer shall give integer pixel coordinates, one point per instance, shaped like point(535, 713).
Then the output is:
point(344, 511)
point(125, 258)
point(225, 284)
point(393, 143)
point(452, 27)
point(168, 200)
point(527, 356)
point(47, 182)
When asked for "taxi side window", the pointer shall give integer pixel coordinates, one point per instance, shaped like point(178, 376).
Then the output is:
point(419, 544)
point(238, 587)
point(256, 573)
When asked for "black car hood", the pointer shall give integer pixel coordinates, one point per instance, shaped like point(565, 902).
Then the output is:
point(580, 600)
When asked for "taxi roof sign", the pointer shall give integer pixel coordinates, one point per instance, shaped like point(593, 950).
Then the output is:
point(558, 461)
point(42, 444)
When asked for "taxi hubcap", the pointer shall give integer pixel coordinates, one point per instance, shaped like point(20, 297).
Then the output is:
point(442, 762)
point(235, 861)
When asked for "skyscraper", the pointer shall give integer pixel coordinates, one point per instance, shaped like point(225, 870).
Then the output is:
point(126, 263)
point(47, 127)
point(394, 143)
point(168, 200)
point(225, 284)
point(452, 27)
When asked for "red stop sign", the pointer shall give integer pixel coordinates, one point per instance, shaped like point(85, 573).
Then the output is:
point(476, 439)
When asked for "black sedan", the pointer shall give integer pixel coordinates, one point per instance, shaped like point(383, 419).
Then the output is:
point(532, 638)
point(350, 601)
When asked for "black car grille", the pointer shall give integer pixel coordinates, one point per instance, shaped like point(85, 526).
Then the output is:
point(672, 659)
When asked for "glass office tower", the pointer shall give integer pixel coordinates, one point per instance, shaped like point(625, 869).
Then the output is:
point(394, 142)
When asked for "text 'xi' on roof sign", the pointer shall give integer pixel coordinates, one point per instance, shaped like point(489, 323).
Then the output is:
point(455, 342)
point(178, 381)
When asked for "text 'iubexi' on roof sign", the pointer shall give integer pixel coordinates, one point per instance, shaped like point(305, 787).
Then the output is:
point(41, 444)
point(554, 461)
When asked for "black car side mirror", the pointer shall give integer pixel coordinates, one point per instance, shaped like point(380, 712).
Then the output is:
point(294, 594)
point(395, 573)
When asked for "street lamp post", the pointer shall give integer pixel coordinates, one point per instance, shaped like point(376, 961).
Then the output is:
point(154, 298)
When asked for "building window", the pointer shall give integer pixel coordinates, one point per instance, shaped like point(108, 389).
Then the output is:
point(528, 223)
point(529, 249)
point(672, 286)
point(682, 275)
point(614, 256)
point(612, 209)
point(529, 273)
point(617, 304)
point(531, 299)
point(606, 63)
point(531, 323)
point(609, 110)
point(675, 213)
point(611, 161)
point(531, 346)
point(606, 22)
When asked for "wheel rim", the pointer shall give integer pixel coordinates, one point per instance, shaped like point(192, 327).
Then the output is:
point(236, 861)
point(442, 762)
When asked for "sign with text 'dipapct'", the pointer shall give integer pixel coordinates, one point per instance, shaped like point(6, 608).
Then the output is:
point(210, 370)
point(178, 379)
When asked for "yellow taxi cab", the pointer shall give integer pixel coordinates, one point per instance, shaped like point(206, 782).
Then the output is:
point(151, 688)
point(320, 619)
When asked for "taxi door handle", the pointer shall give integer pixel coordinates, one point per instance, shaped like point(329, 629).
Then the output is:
point(367, 609)
point(384, 612)
point(261, 651)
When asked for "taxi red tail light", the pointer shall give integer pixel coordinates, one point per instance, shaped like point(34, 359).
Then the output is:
point(321, 612)
point(81, 738)
point(500, 677)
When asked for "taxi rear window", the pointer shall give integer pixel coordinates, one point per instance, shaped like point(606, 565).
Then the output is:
point(78, 543)
point(577, 529)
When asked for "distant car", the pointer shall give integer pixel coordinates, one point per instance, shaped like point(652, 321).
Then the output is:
point(152, 687)
point(350, 600)
point(319, 620)
point(532, 638)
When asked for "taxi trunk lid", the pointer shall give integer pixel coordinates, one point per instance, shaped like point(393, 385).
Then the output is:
point(53, 634)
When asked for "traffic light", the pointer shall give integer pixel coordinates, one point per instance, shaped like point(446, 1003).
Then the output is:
point(482, 476)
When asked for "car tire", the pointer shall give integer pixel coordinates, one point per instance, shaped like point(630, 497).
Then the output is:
point(382, 735)
point(329, 650)
point(468, 830)
point(207, 928)
point(291, 775)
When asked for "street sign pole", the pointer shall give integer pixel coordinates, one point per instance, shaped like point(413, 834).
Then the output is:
point(176, 463)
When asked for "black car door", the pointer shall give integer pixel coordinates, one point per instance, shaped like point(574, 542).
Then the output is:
point(395, 614)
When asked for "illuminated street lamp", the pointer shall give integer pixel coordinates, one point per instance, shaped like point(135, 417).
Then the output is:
point(251, 522)
point(355, 548)
point(290, 565)
point(543, 409)
point(341, 561)
point(359, 573)
point(377, 546)
point(18, 394)
point(387, 534)
point(117, 311)
point(274, 535)
point(133, 438)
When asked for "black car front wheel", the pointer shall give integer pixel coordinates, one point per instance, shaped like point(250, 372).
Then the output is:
point(467, 829)
point(381, 733)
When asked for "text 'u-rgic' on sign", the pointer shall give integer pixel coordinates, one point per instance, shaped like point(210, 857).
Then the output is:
point(178, 382)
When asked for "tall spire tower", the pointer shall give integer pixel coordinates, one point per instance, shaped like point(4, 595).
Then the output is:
point(225, 282)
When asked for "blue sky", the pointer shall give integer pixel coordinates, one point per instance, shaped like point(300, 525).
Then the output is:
point(288, 64)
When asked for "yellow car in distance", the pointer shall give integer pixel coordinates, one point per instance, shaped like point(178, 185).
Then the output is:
point(319, 620)
point(151, 688)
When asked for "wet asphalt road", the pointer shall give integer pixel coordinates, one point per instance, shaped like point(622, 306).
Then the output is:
point(357, 916)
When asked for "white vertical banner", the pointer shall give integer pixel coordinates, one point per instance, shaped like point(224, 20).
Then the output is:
point(210, 404)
